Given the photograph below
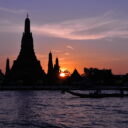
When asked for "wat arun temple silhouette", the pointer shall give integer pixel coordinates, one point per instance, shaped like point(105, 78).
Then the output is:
point(27, 68)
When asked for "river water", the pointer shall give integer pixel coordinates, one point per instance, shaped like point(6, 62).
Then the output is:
point(51, 109)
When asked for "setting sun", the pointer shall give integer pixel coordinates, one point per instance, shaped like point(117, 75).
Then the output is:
point(62, 74)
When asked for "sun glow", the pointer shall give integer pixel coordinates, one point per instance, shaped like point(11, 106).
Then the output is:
point(62, 74)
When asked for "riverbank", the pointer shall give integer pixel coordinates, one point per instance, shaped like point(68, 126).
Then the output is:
point(62, 87)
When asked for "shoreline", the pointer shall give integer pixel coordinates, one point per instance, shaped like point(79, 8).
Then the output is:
point(62, 87)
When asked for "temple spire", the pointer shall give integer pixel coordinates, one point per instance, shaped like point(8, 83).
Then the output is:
point(27, 25)
point(56, 66)
point(50, 64)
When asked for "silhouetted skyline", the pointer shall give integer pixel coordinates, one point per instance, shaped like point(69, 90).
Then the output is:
point(81, 33)
point(27, 70)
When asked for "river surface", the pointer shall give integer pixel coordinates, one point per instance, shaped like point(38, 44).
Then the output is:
point(51, 109)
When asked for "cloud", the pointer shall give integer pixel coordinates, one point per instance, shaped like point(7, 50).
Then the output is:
point(89, 28)
point(18, 11)
point(70, 47)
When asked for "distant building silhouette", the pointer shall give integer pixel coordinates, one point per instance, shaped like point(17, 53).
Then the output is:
point(1, 77)
point(100, 76)
point(7, 67)
point(75, 77)
point(26, 68)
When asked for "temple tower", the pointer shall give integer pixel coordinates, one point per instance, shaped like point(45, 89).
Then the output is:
point(56, 71)
point(56, 66)
point(50, 64)
point(26, 67)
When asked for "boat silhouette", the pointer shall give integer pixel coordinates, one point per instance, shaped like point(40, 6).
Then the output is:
point(96, 94)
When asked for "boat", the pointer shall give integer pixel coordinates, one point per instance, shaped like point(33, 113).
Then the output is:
point(96, 95)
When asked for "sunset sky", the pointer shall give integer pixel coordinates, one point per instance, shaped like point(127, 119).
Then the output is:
point(82, 33)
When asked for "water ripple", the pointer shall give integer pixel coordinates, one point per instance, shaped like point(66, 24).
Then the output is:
point(51, 109)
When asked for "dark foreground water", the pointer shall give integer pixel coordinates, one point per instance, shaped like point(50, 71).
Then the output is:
point(51, 109)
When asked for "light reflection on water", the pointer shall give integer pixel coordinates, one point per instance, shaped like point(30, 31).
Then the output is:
point(49, 109)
